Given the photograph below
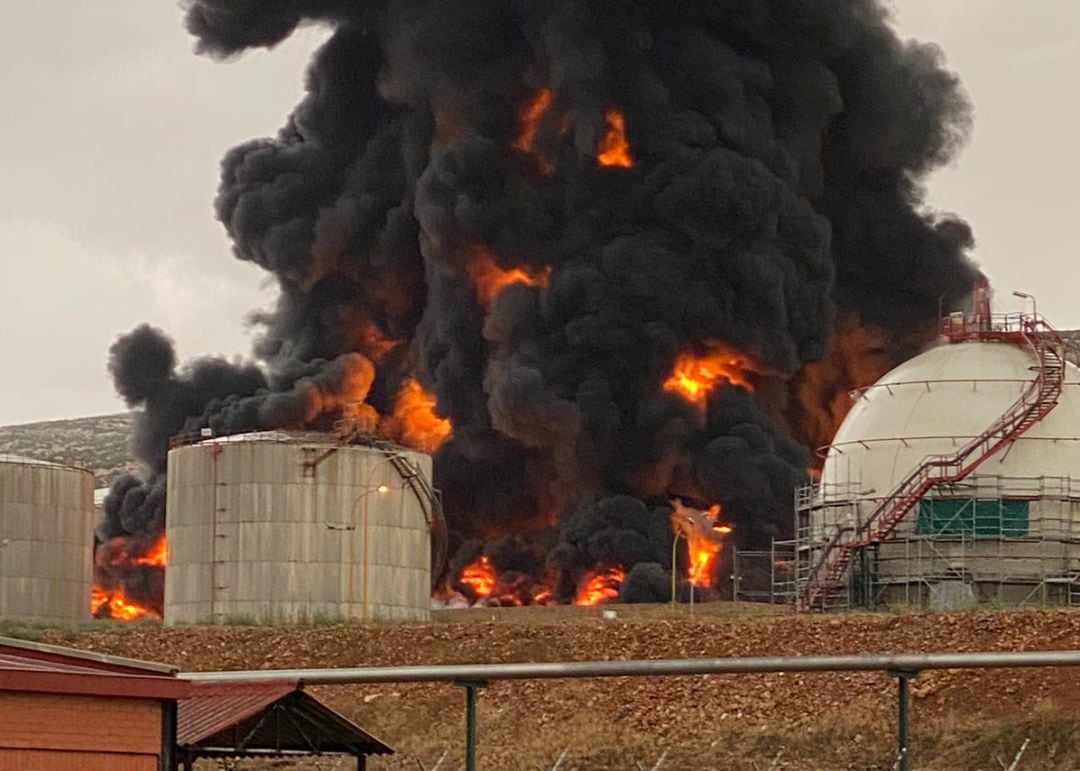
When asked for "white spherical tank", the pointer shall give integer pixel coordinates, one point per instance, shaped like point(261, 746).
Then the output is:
point(1008, 531)
point(46, 540)
point(282, 527)
point(936, 402)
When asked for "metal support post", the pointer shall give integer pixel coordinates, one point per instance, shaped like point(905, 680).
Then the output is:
point(903, 757)
point(471, 687)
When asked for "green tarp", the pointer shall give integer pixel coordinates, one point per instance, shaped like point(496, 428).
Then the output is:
point(965, 516)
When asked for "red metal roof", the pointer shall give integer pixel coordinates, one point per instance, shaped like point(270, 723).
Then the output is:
point(266, 718)
point(34, 667)
point(214, 707)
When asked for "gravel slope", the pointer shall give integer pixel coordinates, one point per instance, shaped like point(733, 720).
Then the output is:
point(961, 720)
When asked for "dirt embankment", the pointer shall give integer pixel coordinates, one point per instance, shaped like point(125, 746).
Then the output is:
point(961, 720)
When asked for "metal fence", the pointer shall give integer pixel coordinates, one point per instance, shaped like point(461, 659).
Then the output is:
point(473, 677)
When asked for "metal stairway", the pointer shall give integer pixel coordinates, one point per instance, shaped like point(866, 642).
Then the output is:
point(827, 585)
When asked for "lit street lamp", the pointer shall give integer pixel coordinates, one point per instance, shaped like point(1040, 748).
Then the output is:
point(368, 489)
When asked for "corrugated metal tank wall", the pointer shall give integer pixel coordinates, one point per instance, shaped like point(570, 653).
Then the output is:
point(46, 540)
point(273, 530)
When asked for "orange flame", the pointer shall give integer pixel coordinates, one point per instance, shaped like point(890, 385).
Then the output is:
point(600, 586)
point(113, 559)
point(479, 576)
point(704, 540)
point(119, 607)
point(158, 554)
point(694, 376)
point(614, 148)
point(489, 279)
point(529, 124)
point(415, 416)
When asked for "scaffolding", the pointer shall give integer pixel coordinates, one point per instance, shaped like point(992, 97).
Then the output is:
point(984, 540)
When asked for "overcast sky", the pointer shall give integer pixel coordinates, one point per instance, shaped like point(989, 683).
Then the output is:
point(112, 129)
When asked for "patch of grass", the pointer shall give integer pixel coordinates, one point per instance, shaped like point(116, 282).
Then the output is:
point(43, 631)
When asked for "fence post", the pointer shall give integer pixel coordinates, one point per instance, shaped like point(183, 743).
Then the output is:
point(903, 757)
point(471, 688)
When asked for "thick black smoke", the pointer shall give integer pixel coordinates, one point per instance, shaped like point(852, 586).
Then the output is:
point(778, 151)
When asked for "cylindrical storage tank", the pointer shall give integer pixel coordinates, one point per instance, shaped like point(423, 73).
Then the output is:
point(46, 540)
point(290, 528)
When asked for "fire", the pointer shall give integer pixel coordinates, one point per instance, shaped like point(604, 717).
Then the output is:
point(117, 605)
point(158, 554)
point(614, 148)
point(600, 586)
point(489, 279)
point(704, 539)
point(479, 576)
point(529, 124)
point(415, 416)
point(694, 376)
point(118, 560)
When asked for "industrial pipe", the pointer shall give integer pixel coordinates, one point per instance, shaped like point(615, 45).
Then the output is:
point(886, 662)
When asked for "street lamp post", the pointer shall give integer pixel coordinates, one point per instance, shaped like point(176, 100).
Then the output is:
point(674, 569)
point(364, 498)
point(1026, 296)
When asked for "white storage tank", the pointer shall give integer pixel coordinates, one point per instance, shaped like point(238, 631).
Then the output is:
point(295, 527)
point(46, 540)
point(1007, 533)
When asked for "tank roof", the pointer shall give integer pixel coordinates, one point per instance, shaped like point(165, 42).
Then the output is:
point(23, 460)
point(940, 399)
point(272, 436)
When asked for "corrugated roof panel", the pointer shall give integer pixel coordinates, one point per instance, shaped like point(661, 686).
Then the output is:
point(216, 706)
point(268, 714)
point(20, 654)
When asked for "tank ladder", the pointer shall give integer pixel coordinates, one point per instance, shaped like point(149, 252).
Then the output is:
point(827, 584)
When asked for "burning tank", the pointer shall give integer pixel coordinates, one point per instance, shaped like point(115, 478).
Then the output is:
point(46, 540)
point(292, 527)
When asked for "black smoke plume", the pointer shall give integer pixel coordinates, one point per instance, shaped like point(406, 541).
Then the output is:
point(774, 189)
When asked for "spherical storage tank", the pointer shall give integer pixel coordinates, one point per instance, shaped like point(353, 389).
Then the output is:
point(46, 540)
point(1011, 530)
point(288, 527)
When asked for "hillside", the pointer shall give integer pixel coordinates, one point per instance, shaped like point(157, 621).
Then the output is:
point(960, 720)
point(99, 442)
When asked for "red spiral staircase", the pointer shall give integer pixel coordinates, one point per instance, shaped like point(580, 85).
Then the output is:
point(827, 578)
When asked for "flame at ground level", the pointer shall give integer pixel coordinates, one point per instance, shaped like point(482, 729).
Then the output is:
point(704, 540)
point(111, 603)
point(122, 563)
point(600, 586)
point(479, 576)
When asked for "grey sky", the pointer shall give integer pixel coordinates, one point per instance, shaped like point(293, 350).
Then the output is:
point(112, 130)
